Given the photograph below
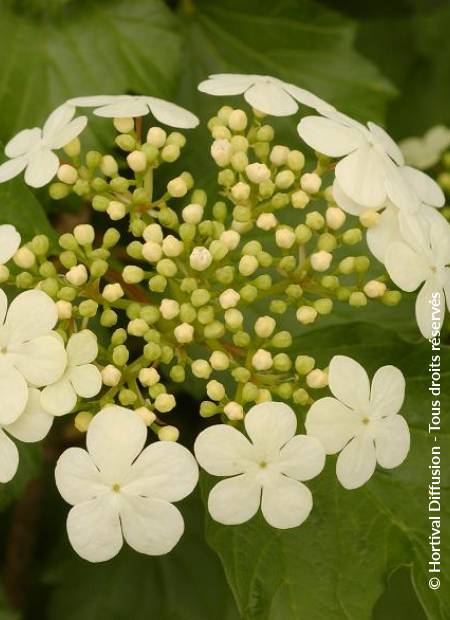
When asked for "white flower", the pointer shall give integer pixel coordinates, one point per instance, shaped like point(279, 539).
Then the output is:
point(125, 106)
point(367, 172)
point(426, 151)
point(119, 491)
point(267, 471)
point(32, 149)
point(423, 257)
point(30, 353)
point(361, 422)
point(80, 377)
point(9, 242)
point(263, 92)
point(33, 424)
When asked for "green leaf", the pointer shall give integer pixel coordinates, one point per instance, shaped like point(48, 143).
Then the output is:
point(82, 48)
point(186, 584)
point(336, 565)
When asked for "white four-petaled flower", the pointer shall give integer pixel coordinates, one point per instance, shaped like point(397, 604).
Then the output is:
point(119, 492)
point(9, 242)
point(269, 470)
point(32, 149)
point(80, 377)
point(30, 353)
point(263, 92)
point(125, 106)
point(426, 151)
point(362, 421)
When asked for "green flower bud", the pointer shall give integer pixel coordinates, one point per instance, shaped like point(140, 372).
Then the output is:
point(133, 310)
point(200, 297)
point(225, 275)
point(81, 188)
point(177, 374)
point(278, 306)
point(266, 189)
point(50, 286)
point(263, 283)
point(150, 314)
point(241, 374)
point(208, 409)
point(68, 242)
point(241, 339)
point(98, 268)
point(100, 203)
point(188, 285)
point(167, 354)
point(304, 364)
point(68, 259)
point(330, 282)
point(352, 236)
point(347, 265)
point(157, 389)
point(279, 201)
point(72, 148)
point(242, 214)
point(119, 336)
point(88, 308)
point(205, 315)
point(220, 211)
point(176, 138)
point(282, 362)
point(125, 142)
point(134, 249)
point(357, 299)
point(188, 314)
point(303, 234)
point(391, 298)
point(166, 267)
point(40, 245)
point(47, 270)
point(295, 160)
point(281, 340)
point(249, 293)
point(67, 293)
point(201, 369)
point(343, 293)
point(233, 318)
point(119, 184)
point(261, 150)
point(300, 396)
point(99, 185)
point(226, 177)
point(315, 220)
point(326, 242)
point(93, 159)
point(265, 259)
point(323, 306)
point(137, 327)
point(265, 134)
point(132, 274)
point(152, 335)
point(24, 280)
point(151, 152)
point(239, 161)
point(284, 179)
point(170, 153)
point(294, 291)
point(362, 264)
point(285, 391)
point(214, 330)
point(215, 390)
point(108, 318)
point(58, 191)
point(120, 355)
point(127, 397)
point(187, 232)
point(249, 392)
point(287, 264)
point(152, 351)
point(168, 218)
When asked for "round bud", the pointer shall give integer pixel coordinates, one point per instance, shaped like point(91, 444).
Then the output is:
point(215, 390)
point(285, 238)
point(257, 173)
point(166, 267)
point(149, 376)
point(374, 289)
point(357, 299)
point(230, 238)
point(137, 161)
point(219, 360)
point(111, 375)
point(201, 369)
point(248, 265)
point(64, 309)
point(262, 360)
point(152, 251)
point(317, 379)
point(84, 234)
point(24, 258)
point(306, 315)
point(165, 402)
point(177, 187)
point(67, 174)
point(321, 261)
point(240, 191)
point(310, 182)
point(168, 433)
point(153, 232)
point(284, 179)
point(146, 415)
point(295, 160)
point(266, 221)
point(237, 120)
point(112, 292)
point(108, 166)
point(279, 155)
point(172, 246)
point(233, 411)
point(73, 148)
point(116, 210)
point(124, 125)
point(265, 326)
point(299, 199)
point(335, 218)
point(200, 258)
point(132, 274)
point(82, 421)
point(184, 333)
point(304, 364)
point(169, 309)
point(221, 152)
point(233, 318)
point(192, 214)
point(229, 298)
point(156, 136)
point(77, 276)
point(369, 218)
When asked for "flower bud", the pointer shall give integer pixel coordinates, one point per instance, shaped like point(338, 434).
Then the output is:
point(317, 379)
point(374, 289)
point(166, 267)
point(72, 148)
point(67, 174)
point(88, 308)
point(347, 265)
point(215, 390)
point(156, 136)
point(219, 360)
point(112, 292)
point(152, 251)
point(116, 210)
point(149, 376)
point(257, 173)
point(237, 121)
point(221, 152)
point(147, 416)
point(137, 327)
point(64, 309)
point(304, 364)
point(323, 306)
point(24, 258)
point(82, 421)
point(168, 433)
point(306, 315)
point(266, 221)
point(295, 160)
point(357, 299)
point(233, 318)
point(200, 258)
point(132, 274)
point(153, 232)
point(352, 236)
point(108, 318)
point(279, 155)
point(265, 326)
point(315, 220)
point(233, 411)
point(169, 309)
point(248, 265)
point(321, 261)
point(369, 218)
point(299, 199)
point(77, 276)
point(177, 187)
point(108, 166)
point(137, 161)
point(285, 238)
point(192, 214)
point(230, 238)
point(391, 298)
point(310, 182)
point(172, 246)
point(165, 402)
point(84, 234)
point(284, 179)
point(262, 360)
point(229, 298)
point(201, 369)
point(111, 375)
point(184, 333)
point(335, 218)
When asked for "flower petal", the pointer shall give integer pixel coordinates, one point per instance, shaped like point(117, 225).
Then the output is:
point(171, 114)
point(399, 190)
point(344, 202)
point(356, 463)
point(82, 348)
point(9, 242)
point(285, 502)
point(114, 439)
point(391, 148)
point(235, 500)
point(388, 392)
point(77, 478)
point(41, 361)
point(427, 190)
point(93, 101)
point(164, 470)
point(57, 120)
point(349, 383)
point(328, 136)
point(304, 96)
point(31, 314)
point(64, 135)
point(149, 525)
point(86, 380)
point(94, 530)
point(361, 176)
point(426, 321)
point(13, 393)
point(270, 98)
point(440, 242)
point(59, 398)
point(124, 107)
point(332, 423)
point(406, 268)
point(270, 425)
point(11, 168)
point(226, 84)
point(34, 423)
point(23, 142)
point(42, 167)
point(3, 306)
point(223, 450)
point(302, 458)
point(9, 458)
point(386, 231)
point(392, 441)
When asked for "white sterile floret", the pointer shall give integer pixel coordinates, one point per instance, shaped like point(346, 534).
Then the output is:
point(200, 258)
point(9, 242)
point(169, 308)
point(361, 421)
point(229, 298)
point(184, 333)
point(30, 353)
point(257, 173)
point(120, 491)
point(423, 257)
point(367, 172)
point(32, 149)
point(266, 221)
point(426, 151)
point(262, 360)
point(267, 471)
point(221, 152)
point(120, 106)
point(321, 261)
point(192, 214)
point(263, 92)
point(81, 377)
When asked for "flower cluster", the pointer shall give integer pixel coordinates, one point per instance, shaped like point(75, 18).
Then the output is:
point(186, 287)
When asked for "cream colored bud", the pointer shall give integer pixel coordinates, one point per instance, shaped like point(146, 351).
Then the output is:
point(165, 402)
point(192, 214)
point(24, 258)
point(156, 136)
point(264, 326)
point(132, 274)
point(229, 298)
point(321, 261)
point(77, 276)
point(369, 218)
point(299, 199)
point(241, 227)
point(285, 238)
point(284, 179)
point(201, 369)
point(84, 234)
point(335, 218)
point(257, 173)
point(233, 318)
point(172, 246)
point(219, 360)
point(169, 309)
point(113, 292)
point(248, 265)
point(124, 125)
point(200, 258)
point(64, 309)
point(266, 221)
point(108, 166)
point(240, 191)
point(146, 415)
point(67, 174)
point(177, 187)
point(262, 360)
point(215, 390)
point(317, 379)
point(152, 251)
point(184, 333)
point(137, 327)
point(111, 375)
point(279, 155)
point(230, 238)
point(264, 396)
point(149, 376)
point(116, 210)
point(306, 315)
point(221, 152)
point(137, 161)
point(237, 121)
point(374, 289)
point(153, 232)
point(82, 421)
point(168, 433)
point(233, 411)
point(310, 182)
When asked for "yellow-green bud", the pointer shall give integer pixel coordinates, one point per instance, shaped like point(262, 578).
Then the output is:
point(357, 299)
